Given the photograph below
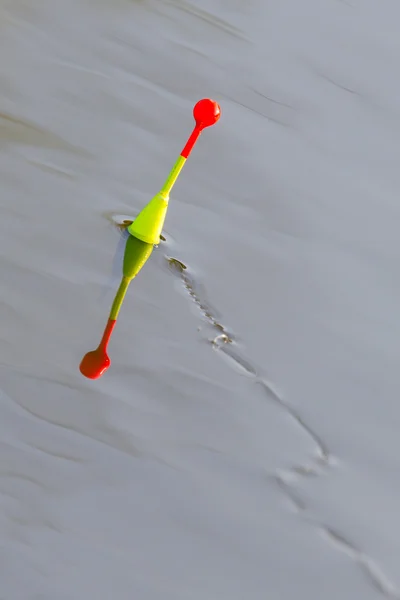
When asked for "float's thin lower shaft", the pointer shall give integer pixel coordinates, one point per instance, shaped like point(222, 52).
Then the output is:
point(107, 335)
point(119, 298)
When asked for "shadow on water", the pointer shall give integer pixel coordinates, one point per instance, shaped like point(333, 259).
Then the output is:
point(225, 343)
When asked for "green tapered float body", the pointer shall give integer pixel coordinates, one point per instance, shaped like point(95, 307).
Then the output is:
point(136, 254)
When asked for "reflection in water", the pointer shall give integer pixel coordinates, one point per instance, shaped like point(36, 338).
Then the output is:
point(95, 363)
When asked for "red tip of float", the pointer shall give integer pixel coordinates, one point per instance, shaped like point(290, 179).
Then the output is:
point(94, 364)
point(206, 112)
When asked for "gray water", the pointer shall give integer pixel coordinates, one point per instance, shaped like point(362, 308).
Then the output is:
point(244, 443)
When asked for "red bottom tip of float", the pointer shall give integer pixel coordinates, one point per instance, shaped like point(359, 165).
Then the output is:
point(95, 363)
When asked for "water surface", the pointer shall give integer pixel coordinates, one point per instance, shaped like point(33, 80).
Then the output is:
point(244, 443)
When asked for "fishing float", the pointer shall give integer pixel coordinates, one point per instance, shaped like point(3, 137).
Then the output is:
point(144, 234)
